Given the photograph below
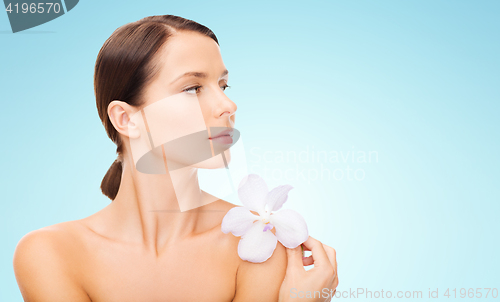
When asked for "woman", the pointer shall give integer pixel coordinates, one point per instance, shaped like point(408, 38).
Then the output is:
point(129, 251)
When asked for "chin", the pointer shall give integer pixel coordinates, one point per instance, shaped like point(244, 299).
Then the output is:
point(178, 158)
point(215, 162)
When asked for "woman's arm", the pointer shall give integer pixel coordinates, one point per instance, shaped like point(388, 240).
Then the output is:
point(261, 281)
point(42, 270)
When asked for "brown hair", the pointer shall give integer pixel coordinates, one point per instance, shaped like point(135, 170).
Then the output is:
point(125, 65)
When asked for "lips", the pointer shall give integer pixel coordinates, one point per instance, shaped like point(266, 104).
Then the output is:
point(223, 137)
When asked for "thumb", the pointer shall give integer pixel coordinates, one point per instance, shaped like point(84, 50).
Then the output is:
point(294, 259)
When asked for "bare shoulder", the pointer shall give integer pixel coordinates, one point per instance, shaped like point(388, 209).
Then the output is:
point(44, 267)
point(59, 237)
point(266, 276)
point(49, 239)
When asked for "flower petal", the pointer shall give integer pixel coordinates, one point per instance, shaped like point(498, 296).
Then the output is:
point(237, 221)
point(277, 197)
point(252, 192)
point(291, 228)
point(257, 246)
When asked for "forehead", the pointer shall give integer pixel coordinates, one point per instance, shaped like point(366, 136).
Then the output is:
point(190, 51)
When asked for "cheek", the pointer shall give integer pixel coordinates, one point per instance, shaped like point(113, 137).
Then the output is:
point(206, 112)
point(174, 117)
point(177, 123)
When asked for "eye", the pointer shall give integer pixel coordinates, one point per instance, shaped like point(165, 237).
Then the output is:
point(224, 87)
point(191, 88)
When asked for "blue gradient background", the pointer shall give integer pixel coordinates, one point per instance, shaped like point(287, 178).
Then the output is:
point(415, 81)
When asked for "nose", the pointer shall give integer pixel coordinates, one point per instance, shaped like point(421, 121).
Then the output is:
point(224, 107)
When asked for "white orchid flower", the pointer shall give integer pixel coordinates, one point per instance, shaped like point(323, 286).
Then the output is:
point(257, 242)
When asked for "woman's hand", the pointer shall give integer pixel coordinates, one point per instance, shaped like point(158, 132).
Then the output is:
point(302, 285)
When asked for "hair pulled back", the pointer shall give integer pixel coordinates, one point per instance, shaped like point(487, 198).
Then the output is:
point(125, 65)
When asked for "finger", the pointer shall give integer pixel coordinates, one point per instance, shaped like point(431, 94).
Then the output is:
point(335, 264)
point(306, 261)
point(324, 246)
point(332, 256)
point(318, 252)
point(294, 259)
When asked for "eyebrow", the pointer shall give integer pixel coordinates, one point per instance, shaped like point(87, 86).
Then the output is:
point(197, 74)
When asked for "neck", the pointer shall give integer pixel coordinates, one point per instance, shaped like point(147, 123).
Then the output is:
point(147, 208)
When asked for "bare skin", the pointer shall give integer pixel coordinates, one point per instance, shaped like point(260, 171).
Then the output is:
point(79, 261)
point(130, 251)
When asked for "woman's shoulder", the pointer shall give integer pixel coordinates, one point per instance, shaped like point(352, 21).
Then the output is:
point(44, 263)
point(51, 234)
point(49, 240)
point(267, 275)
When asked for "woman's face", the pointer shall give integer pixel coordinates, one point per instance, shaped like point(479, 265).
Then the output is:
point(189, 52)
point(186, 106)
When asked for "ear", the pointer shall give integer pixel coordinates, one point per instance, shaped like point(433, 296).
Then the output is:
point(119, 114)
